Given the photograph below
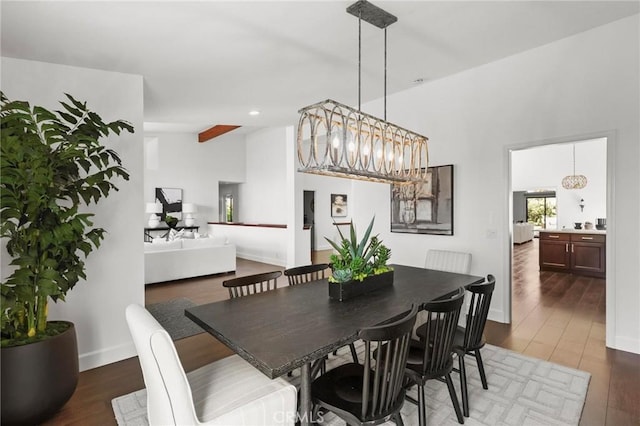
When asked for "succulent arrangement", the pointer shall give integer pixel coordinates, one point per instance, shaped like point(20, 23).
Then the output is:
point(357, 259)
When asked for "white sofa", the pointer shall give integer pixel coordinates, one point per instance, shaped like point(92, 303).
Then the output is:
point(187, 258)
point(522, 232)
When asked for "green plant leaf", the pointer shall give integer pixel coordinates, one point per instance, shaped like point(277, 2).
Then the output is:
point(53, 164)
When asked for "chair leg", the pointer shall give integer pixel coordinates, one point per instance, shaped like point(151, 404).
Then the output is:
point(315, 413)
point(463, 384)
point(454, 398)
point(398, 419)
point(354, 354)
point(422, 406)
point(483, 377)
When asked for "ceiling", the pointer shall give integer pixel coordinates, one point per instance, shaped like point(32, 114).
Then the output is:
point(211, 62)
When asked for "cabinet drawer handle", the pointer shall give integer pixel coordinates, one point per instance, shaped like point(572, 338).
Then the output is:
point(554, 236)
point(566, 247)
point(572, 248)
point(587, 238)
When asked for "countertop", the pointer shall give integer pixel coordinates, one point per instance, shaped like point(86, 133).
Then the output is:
point(574, 231)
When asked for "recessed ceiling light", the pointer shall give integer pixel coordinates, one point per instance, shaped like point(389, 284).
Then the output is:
point(254, 112)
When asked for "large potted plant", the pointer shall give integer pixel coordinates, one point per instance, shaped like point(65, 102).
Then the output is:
point(358, 265)
point(53, 166)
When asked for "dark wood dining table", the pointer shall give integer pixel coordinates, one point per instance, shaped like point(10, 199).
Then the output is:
point(294, 326)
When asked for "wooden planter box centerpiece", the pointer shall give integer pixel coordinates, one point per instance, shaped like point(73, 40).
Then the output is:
point(353, 288)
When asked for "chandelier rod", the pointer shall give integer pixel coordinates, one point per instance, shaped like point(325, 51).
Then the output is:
point(574, 159)
point(385, 73)
point(359, 60)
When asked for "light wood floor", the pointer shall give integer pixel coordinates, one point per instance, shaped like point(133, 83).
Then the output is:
point(557, 317)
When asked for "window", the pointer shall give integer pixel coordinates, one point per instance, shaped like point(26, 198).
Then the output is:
point(228, 207)
point(541, 211)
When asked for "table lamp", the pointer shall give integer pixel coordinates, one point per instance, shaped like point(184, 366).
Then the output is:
point(154, 208)
point(189, 209)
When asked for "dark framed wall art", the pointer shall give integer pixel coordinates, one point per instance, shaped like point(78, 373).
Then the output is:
point(171, 200)
point(338, 205)
point(424, 208)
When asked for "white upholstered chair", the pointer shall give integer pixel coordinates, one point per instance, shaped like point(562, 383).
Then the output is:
point(226, 392)
point(449, 261)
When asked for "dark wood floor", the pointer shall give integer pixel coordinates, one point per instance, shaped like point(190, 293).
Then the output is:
point(557, 317)
point(561, 318)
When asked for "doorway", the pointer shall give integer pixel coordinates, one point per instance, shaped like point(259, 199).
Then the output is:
point(228, 201)
point(536, 171)
point(309, 202)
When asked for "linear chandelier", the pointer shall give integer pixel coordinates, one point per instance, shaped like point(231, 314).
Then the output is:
point(337, 140)
point(574, 181)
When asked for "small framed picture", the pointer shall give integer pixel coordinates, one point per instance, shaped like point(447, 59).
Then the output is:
point(338, 205)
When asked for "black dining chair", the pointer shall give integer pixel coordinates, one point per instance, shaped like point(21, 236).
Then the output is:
point(432, 357)
point(470, 339)
point(252, 284)
point(314, 272)
point(373, 392)
point(307, 273)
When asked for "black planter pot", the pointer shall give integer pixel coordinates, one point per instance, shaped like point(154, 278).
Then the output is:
point(39, 378)
point(350, 289)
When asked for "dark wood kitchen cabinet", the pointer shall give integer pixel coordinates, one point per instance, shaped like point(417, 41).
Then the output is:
point(573, 252)
point(554, 251)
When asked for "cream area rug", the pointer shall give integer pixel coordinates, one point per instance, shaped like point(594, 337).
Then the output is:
point(523, 391)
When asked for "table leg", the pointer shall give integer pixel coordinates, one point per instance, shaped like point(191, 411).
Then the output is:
point(305, 395)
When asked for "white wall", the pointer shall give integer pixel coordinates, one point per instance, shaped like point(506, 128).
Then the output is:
point(544, 167)
point(583, 85)
point(298, 243)
point(115, 271)
point(178, 160)
point(264, 193)
point(260, 244)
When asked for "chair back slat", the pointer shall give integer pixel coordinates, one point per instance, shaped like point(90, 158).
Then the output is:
point(366, 378)
point(252, 284)
point(307, 273)
point(478, 311)
point(442, 320)
point(387, 346)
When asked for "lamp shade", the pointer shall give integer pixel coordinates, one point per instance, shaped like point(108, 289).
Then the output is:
point(188, 208)
point(153, 208)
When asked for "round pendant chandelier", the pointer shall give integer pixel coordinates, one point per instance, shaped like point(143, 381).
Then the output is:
point(574, 181)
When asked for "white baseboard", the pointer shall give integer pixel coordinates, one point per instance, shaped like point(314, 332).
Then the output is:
point(496, 315)
point(627, 344)
point(106, 356)
point(263, 259)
